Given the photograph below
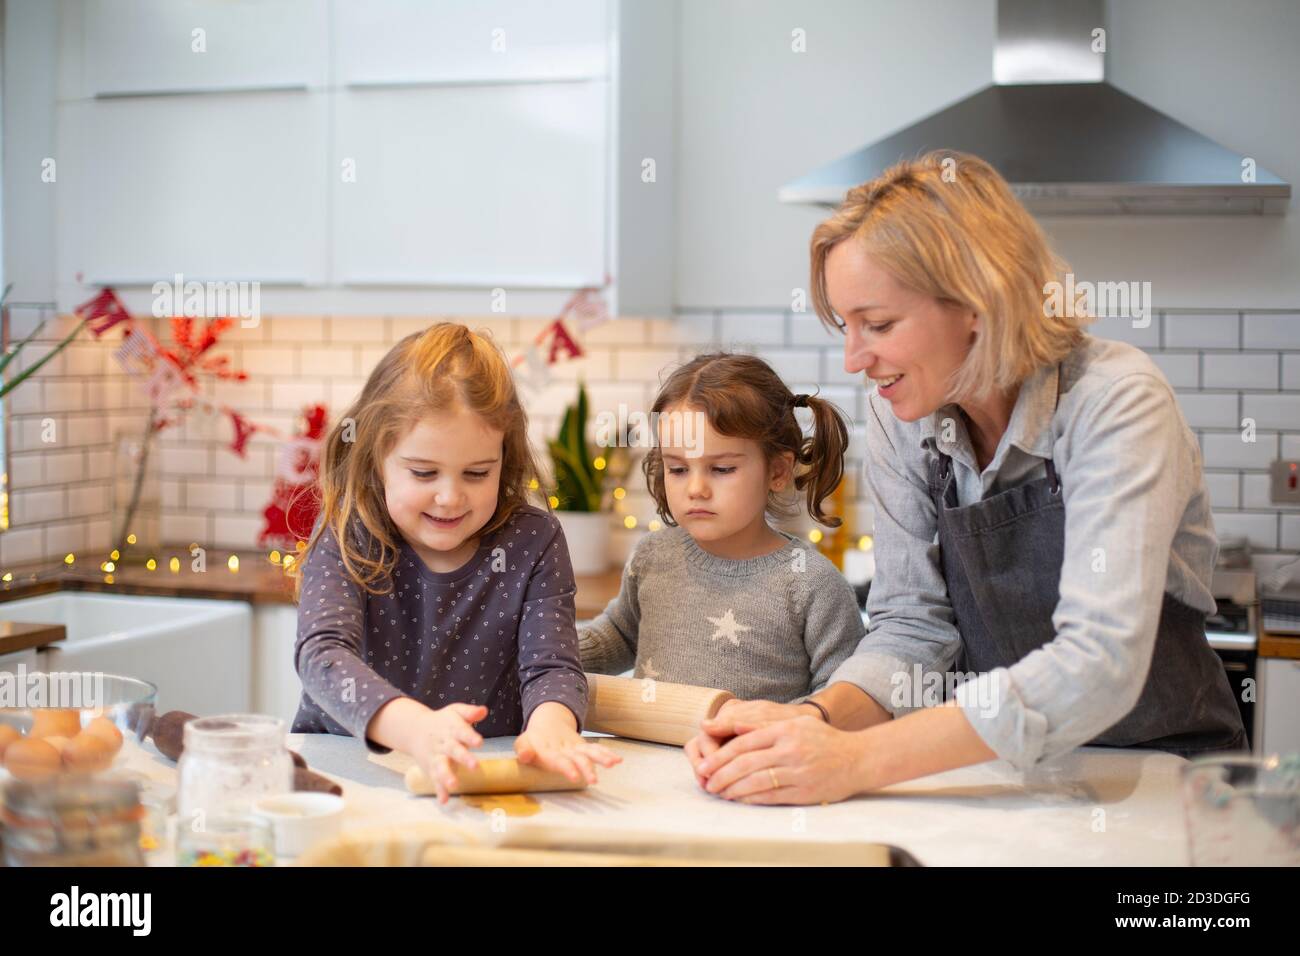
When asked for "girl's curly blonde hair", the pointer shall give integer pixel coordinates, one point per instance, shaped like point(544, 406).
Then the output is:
point(444, 367)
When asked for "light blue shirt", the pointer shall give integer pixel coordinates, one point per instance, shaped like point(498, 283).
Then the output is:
point(1137, 524)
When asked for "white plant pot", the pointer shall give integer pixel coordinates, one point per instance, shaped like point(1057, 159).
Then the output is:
point(587, 534)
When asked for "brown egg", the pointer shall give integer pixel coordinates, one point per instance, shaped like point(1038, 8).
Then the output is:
point(8, 735)
point(31, 759)
point(51, 722)
point(87, 753)
point(106, 730)
point(57, 742)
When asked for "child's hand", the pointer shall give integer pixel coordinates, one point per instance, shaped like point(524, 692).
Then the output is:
point(551, 741)
point(443, 736)
point(699, 747)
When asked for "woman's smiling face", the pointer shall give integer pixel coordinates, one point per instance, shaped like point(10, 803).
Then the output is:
point(907, 343)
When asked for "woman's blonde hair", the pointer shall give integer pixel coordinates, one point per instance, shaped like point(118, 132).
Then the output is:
point(444, 367)
point(947, 225)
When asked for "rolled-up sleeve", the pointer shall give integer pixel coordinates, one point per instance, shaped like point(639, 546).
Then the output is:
point(1131, 467)
point(911, 622)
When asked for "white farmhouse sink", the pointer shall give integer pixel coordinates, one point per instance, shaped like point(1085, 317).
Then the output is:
point(196, 652)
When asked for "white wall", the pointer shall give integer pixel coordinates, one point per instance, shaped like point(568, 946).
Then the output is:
point(753, 115)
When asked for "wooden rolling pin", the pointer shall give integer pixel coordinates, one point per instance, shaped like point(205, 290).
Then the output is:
point(495, 775)
point(618, 706)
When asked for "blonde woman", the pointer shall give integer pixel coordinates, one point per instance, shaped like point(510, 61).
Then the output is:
point(1043, 538)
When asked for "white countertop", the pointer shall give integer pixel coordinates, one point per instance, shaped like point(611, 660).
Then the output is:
point(1094, 807)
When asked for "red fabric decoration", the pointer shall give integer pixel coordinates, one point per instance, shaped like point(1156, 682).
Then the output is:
point(295, 497)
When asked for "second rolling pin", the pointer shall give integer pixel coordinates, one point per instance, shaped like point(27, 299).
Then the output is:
point(495, 775)
point(660, 712)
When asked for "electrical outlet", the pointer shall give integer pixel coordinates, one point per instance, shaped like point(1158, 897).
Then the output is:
point(1285, 486)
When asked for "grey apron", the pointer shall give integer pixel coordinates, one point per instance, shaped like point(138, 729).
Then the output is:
point(1002, 560)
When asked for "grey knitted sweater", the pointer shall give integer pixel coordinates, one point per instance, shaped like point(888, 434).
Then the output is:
point(772, 628)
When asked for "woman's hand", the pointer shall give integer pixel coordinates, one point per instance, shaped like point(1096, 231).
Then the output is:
point(551, 741)
point(800, 761)
point(443, 736)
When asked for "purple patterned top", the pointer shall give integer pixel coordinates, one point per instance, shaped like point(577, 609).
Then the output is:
point(498, 631)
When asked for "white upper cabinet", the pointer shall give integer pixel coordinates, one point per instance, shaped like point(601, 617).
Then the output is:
point(496, 185)
point(178, 46)
point(369, 151)
point(449, 41)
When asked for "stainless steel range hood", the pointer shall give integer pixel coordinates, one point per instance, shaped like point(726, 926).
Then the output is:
point(1066, 140)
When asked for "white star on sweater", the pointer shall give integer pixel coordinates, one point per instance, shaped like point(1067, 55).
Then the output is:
point(727, 626)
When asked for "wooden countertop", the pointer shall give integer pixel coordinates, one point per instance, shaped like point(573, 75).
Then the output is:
point(15, 636)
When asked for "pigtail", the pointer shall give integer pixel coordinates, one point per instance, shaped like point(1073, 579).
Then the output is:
point(822, 456)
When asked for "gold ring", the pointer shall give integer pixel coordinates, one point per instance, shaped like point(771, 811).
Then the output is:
point(776, 784)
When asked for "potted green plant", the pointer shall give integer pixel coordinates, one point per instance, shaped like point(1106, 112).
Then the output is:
point(578, 494)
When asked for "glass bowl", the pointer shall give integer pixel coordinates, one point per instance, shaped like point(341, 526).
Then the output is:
point(71, 722)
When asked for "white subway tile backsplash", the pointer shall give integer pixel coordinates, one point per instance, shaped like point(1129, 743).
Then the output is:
point(1181, 369)
point(793, 364)
point(274, 360)
point(340, 396)
point(303, 330)
point(1224, 489)
point(34, 507)
point(1255, 493)
point(1272, 331)
point(617, 331)
point(1124, 329)
point(653, 364)
point(98, 533)
point(22, 546)
point(99, 463)
point(1272, 411)
point(215, 495)
point(1239, 370)
point(296, 360)
point(357, 328)
point(179, 528)
point(256, 463)
point(833, 372)
point(27, 399)
point(1197, 331)
point(593, 365)
point(687, 328)
point(62, 467)
point(1291, 371)
point(1230, 450)
point(68, 538)
point(185, 460)
point(235, 532)
point(752, 328)
point(1290, 533)
point(1209, 409)
point(291, 395)
point(1259, 529)
point(87, 500)
point(65, 395)
point(26, 470)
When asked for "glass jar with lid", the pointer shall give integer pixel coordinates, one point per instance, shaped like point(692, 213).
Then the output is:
point(228, 763)
point(72, 820)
